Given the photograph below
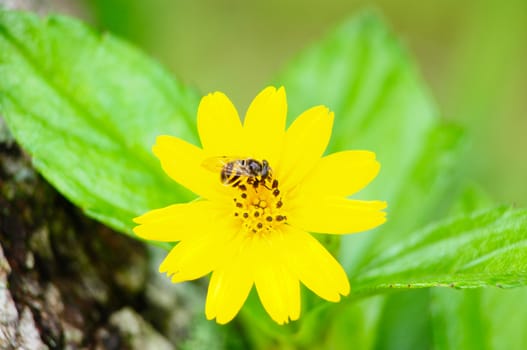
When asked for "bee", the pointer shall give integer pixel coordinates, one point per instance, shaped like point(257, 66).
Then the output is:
point(234, 171)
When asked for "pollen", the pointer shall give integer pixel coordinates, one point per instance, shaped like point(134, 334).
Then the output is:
point(259, 208)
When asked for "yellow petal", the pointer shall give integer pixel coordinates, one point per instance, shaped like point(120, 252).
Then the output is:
point(175, 222)
point(219, 126)
point(264, 125)
point(313, 265)
point(278, 288)
point(229, 287)
point(336, 215)
point(183, 162)
point(202, 252)
point(188, 260)
point(305, 142)
point(177, 212)
point(341, 174)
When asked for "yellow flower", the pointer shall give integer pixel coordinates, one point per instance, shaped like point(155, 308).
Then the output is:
point(261, 190)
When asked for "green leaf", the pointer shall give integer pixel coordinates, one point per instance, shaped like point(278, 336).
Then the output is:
point(88, 107)
point(426, 195)
point(487, 248)
point(473, 319)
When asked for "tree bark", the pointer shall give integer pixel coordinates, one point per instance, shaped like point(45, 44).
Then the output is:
point(66, 282)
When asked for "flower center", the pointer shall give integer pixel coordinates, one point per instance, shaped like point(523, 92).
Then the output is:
point(259, 205)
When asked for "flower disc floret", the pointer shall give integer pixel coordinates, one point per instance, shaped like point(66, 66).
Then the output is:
point(259, 208)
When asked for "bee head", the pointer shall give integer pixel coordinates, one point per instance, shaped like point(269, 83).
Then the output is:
point(265, 169)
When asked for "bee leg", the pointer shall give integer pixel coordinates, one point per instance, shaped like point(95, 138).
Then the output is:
point(265, 181)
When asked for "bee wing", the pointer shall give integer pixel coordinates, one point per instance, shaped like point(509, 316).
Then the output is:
point(226, 165)
point(215, 164)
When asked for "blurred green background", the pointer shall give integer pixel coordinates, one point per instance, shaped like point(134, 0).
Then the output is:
point(472, 55)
